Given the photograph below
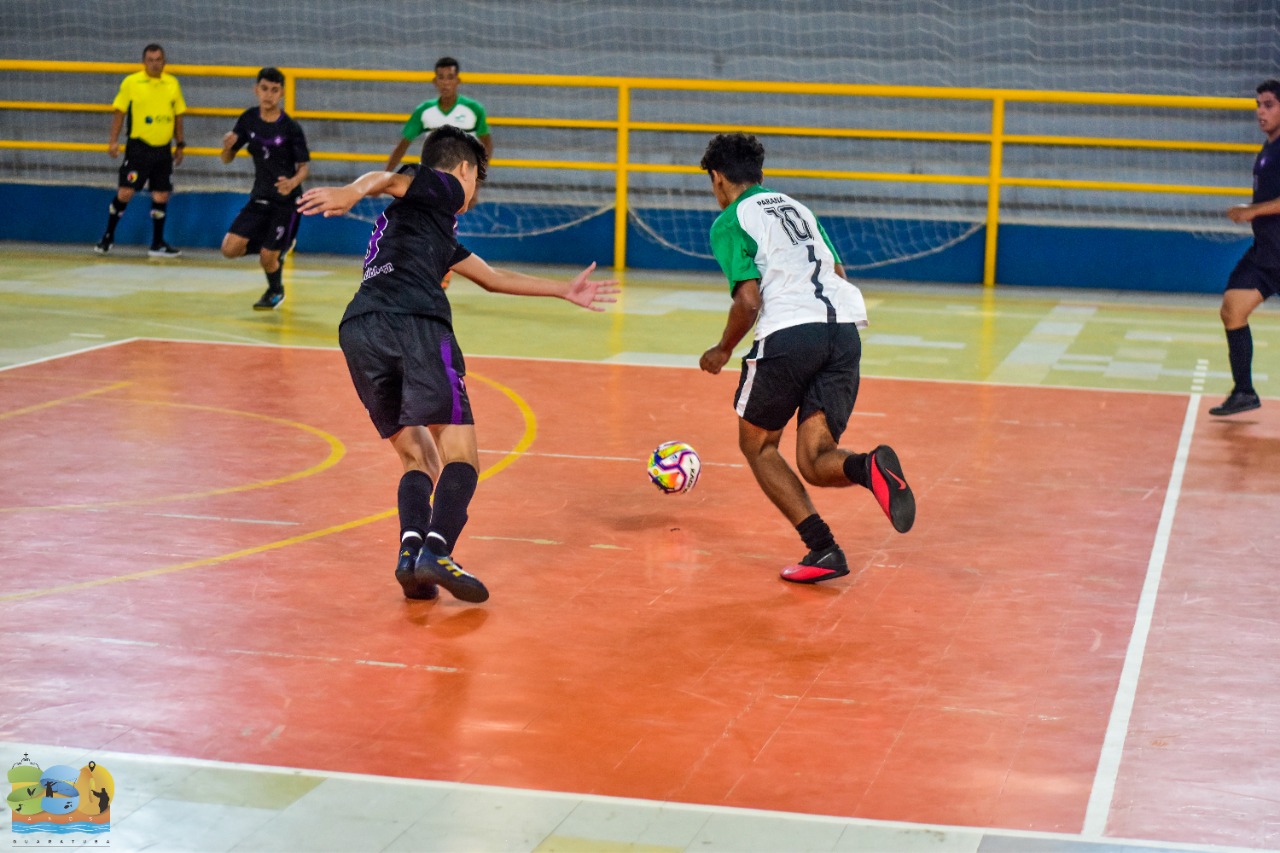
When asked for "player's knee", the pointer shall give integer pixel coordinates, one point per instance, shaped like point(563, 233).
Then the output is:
point(231, 247)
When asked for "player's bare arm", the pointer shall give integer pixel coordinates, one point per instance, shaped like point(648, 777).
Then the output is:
point(742, 316)
point(179, 137)
point(229, 139)
point(581, 290)
point(1250, 212)
point(113, 139)
point(335, 201)
point(284, 185)
point(397, 154)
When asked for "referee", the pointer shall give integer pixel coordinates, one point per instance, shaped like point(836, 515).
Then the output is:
point(152, 102)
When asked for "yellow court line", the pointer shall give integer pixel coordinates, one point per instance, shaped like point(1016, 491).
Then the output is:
point(530, 433)
point(26, 410)
point(336, 451)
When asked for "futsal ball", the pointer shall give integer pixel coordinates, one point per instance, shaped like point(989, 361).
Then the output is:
point(674, 467)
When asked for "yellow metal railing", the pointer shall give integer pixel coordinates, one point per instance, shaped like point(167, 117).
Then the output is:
point(623, 126)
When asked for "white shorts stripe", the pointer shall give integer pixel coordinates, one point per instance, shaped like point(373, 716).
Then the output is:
point(748, 380)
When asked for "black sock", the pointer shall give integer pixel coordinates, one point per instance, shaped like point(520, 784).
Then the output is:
point(114, 211)
point(449, 513)
point(855, 468)
point(273, 280)
point(414, 501)
point(815, 533)
point(1240, 352)
point(158, 210)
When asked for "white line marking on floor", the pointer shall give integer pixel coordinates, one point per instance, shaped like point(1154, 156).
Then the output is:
point(1104, 781)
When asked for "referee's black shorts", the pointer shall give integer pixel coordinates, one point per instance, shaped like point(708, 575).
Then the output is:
point(147, 165)
point(1251, 275)
point(407, 369)
point(813, 368)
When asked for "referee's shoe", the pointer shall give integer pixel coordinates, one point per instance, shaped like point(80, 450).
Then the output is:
point(163, 250)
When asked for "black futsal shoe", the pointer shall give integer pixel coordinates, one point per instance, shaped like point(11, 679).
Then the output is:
point(269, 301)
point(889, 485)
point(103, 246)
point(1235, 404)
point(818, 566)
point(163, 250)
point(414, 587)
point(441, 569)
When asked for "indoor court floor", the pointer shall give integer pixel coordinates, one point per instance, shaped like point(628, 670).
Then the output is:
point(1075, 649)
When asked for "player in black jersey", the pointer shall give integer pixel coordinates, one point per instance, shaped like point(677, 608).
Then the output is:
point(397, 336)
point(268, 224)
point(1257, 275)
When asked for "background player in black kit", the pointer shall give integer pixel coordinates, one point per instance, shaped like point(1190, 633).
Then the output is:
point(268, 224)
point(1257, 275)
point(397, 336)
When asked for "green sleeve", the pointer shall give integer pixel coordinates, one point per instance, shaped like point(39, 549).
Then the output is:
point(734, 249)
point(827, 240)
point(413, 127)
point(482, 122)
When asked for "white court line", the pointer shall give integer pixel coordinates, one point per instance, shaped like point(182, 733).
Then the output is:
point(916, 836)
point(69, 353)
point(1104, 781)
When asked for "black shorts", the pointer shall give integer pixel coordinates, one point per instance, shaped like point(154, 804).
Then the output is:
point(266, 224)
point(147, 165)
point(813, 368)
point(407, 369)
point(1250, 275)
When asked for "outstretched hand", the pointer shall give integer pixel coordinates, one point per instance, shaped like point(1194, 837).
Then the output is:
point(330, 201)
point(588, 293)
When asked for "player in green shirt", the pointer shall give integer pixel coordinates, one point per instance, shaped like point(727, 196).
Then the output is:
point(448, 108)
point(787, 281)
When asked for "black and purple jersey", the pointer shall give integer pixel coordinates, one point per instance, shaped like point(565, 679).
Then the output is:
point(413, 245)
point(1266, 186)
point(277, 148)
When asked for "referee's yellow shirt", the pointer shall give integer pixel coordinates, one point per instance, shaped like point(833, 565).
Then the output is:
point(152, 104)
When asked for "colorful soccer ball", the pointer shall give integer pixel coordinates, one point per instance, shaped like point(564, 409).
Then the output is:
point(674, 467)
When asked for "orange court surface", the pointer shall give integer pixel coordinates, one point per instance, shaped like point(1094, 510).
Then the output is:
point(1078, 637)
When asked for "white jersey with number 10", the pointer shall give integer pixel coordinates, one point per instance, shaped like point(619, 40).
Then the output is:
point(776, 239)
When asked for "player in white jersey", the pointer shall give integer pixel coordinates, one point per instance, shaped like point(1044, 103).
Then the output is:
point(786, 280)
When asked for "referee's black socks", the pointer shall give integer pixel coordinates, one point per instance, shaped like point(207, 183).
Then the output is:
point(114, 211)
point(158, 210)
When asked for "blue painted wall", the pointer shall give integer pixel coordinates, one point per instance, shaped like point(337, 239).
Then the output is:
point(1034, 255)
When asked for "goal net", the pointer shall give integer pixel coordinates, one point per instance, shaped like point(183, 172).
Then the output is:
point(1180, 47)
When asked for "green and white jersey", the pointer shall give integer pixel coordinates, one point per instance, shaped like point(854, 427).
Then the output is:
point(772, 237)
point(466, 114)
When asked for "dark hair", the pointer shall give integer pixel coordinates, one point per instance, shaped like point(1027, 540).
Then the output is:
point(1272, 86)
point(447, 146)
point(271, 75)
point(448, 62)
point(737, 156)
point(151, 48)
